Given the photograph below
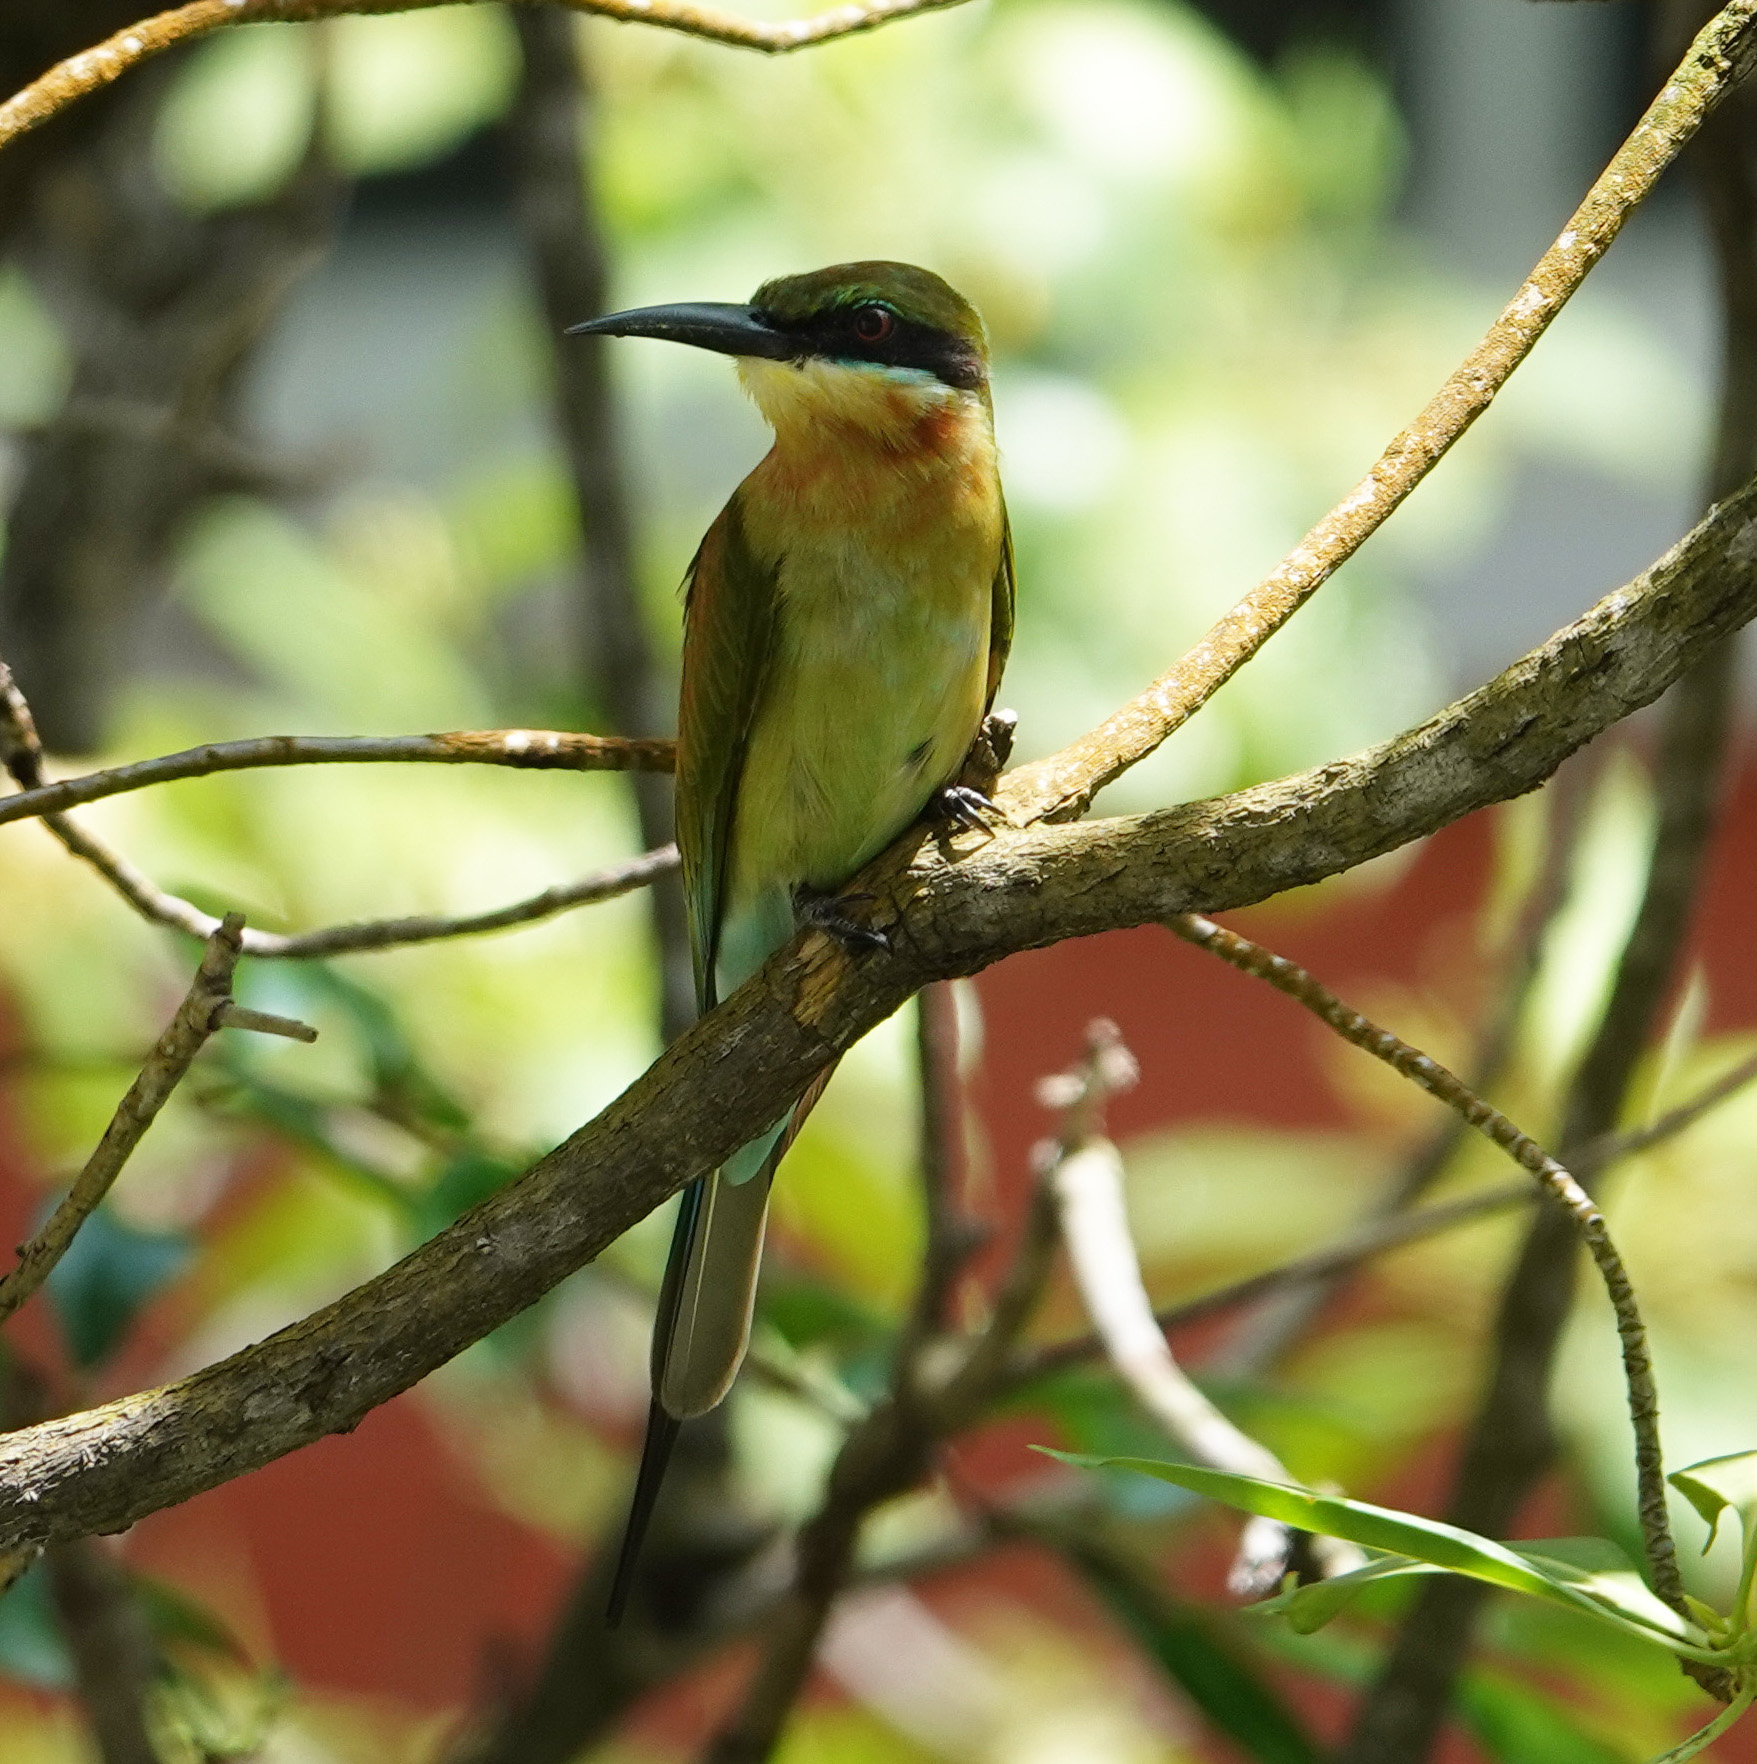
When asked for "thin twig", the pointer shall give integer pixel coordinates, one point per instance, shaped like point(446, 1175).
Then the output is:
point(237, 1016)
point(164, 1070)
point(22, 755)
point(528, 749)
point(1511, 1439)
point(97, 67)
point(374, 934)
point(1088, 1185)
point(164, 908)
point(1062, 786)
point(1610, 1148)
point(1084, 1171)
point(1410, 1062)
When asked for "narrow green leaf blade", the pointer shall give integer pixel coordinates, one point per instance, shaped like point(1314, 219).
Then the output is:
point(1400, 1534)
point(1308, 1608)
point(1517, 1724)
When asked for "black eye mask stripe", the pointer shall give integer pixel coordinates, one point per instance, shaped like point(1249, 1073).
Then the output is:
point(831, 337)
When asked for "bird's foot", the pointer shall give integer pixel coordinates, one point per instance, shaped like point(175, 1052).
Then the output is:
point(965, 802)
point(965, 807)
point(996, 736)
point(828, 913)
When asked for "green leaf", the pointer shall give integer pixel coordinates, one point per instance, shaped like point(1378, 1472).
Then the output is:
point(1214, 1677)
point(1597, 1568)
point(1705, 1737)
point(1717, 1484)
point(468, 1177)
point(174, 1618)
point(1419, 1540)
point(1308, 1608)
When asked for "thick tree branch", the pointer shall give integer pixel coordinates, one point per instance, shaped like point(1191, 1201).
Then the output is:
point(528, 749)
point(1062, 786)
point(951, 1236)
point(742, 1066)
point(113, 1657)
point(98, 1616)
point(97, 67)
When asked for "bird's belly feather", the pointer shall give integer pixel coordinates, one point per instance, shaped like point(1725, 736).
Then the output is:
point(875, 694)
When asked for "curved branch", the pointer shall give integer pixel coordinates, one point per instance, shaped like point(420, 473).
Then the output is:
point(93, 69)
point(529, 749)
point(173, 911)
point(744, 1063)
point(604, 884)
point(1560, 1183)
point(1062, 786)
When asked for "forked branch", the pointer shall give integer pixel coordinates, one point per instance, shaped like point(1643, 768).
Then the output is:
point(744, 1064)
point(22, 755)
point(206, 1008)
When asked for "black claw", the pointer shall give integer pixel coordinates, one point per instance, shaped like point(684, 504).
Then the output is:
point(827, 913)
point(965, 806)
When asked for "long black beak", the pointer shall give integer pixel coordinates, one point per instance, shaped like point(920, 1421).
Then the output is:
point(731, 330)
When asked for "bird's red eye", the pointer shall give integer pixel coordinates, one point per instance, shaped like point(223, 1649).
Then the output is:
point(873, 324)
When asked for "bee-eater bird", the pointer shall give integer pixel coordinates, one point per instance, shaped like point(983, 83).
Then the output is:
point(846, 620)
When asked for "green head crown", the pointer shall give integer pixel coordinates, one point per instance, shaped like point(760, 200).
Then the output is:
point(889, 314)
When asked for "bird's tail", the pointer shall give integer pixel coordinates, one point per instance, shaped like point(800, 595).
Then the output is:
point(703, 1324)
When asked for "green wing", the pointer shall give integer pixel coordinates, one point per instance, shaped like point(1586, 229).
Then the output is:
point(1000, 626)
point(728, 638)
